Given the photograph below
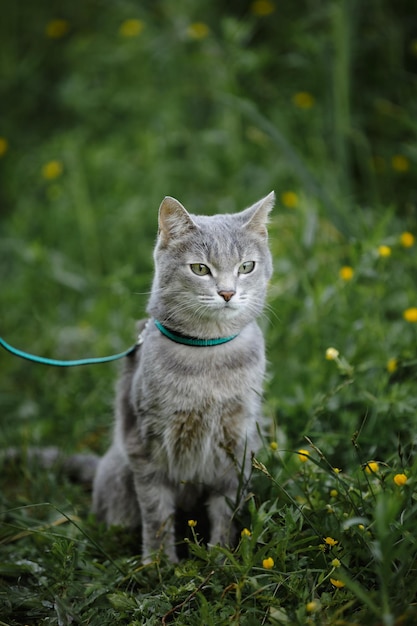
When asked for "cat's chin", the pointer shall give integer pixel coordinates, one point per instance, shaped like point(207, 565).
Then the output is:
point(230, 311)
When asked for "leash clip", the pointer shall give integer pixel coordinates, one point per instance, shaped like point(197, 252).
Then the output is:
point(141, 337)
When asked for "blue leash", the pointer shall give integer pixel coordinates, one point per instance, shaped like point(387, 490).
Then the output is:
point(59, 363)
point(177, 337)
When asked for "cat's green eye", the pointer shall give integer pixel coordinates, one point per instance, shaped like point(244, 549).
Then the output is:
point(200, 269)
point(247, 267)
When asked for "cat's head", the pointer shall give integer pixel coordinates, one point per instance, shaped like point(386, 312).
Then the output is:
point(211, 272)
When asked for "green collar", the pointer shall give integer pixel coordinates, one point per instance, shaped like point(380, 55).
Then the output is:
point(191, 341)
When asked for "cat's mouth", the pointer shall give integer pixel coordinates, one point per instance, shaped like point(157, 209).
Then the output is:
point(229, 308)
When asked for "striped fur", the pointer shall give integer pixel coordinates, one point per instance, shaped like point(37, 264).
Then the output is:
point(186, 416)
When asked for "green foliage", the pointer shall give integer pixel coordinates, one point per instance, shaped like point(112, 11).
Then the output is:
point(107, 107)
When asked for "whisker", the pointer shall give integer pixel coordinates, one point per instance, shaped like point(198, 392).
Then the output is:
point(269, 308)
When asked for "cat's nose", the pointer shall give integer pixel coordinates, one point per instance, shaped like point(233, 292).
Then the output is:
point(226, 295)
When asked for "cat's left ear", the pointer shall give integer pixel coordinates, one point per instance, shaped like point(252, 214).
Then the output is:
point(256, 216)
point(174, 220)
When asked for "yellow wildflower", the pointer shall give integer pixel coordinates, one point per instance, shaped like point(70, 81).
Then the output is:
point(400, 163)
point(410, 315)
point(273, 445)
point(289, 199)
point(4, 146)
point(337, 583)
point(361, 527)
point(330, 541)
point(371, 467)
point(384, 251)
point(256, 135)
point(52, 170)
point(336, 470)
point(332, 354)
point(192, 523)
point(400, 479)
point(303, 455)
point(268, 563)
point(303, 100)
point(335, 563)
point(262, 7)
point(392, 365)
point(313, 606)
point(246, 533)
point(55, 29)
point(346, 273)
point(131, 28)
point(198, 30)
point(334, 493)
point(407, 240)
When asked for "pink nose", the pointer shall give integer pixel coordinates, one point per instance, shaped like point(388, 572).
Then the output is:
point(227, 295)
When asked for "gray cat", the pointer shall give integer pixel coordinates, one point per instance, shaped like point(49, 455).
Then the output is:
point(189, 400)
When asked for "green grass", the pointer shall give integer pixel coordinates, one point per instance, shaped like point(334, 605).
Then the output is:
point(316, 100)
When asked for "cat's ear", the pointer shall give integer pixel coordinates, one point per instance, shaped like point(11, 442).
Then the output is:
point(256, 216)
point(174, 220)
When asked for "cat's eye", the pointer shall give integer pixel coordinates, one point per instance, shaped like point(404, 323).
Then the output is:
point(200, 269)
point(247, 267)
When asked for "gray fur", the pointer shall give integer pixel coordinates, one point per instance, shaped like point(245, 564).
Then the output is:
point(80, 467)
point(186, 416)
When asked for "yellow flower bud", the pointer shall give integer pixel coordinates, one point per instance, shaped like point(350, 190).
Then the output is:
point(303, 100)
point(400, 163)
point(330, 541)
point(52, 170)
point(4, 146)
point(198, 30)
point(410, 315)
point(289, 199)
point(400, 479)
point(55, 29)
point(407, 240)
point(392, 365)
point(384, 251)
point(303, 455)
point(371, 467)
point(332, 354)
point(131, 28)
point(313, 606)
point(261, 8)
point(346, 273)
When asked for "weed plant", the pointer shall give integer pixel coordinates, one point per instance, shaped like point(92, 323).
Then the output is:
point(108, 107)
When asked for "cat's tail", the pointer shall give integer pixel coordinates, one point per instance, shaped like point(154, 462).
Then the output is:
point(79, 467)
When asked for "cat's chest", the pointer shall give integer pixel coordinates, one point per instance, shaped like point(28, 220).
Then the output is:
point(200, 376)
point(198, 408)
point(197, 442)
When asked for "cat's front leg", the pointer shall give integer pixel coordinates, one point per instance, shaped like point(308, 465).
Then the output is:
point(220, 515)
point(157, 507)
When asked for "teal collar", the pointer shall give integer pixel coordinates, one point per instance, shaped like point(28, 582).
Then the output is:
point(191, 341)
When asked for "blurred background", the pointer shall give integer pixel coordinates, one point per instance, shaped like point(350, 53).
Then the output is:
point(106, 107)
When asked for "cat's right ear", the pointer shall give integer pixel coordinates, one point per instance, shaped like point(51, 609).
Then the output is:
point(257, 215)
point(173, 221)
